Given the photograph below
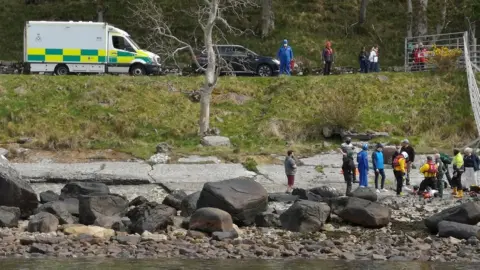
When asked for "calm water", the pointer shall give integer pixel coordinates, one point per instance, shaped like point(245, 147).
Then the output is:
point(176, 264)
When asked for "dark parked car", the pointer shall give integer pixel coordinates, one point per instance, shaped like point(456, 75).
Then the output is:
point(240, 60)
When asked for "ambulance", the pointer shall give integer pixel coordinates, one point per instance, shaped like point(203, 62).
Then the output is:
point(84, 47)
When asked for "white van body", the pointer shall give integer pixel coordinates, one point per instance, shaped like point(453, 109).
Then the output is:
point(84, 47)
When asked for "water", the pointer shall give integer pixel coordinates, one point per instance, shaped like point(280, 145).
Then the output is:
point(177, 264)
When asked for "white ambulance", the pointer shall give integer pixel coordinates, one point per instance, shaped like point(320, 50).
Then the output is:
point(84, 47)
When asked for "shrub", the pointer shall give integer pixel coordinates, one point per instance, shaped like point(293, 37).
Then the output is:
point(443, 58)
point(250, 164)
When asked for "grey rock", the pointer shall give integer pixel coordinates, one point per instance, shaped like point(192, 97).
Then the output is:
point(326, 192)
point(199, 160)
point(378, 257)
point(189, 204)
point(129, 239)
point(466, 213)
point(49, 196)
point(215, 141)
point(160, 158)
point(211, 220)
point(151, 216)
point(175, 198)
point(14, 191)
point(138, 201)
point(267, 219)
point(40, 248)
point(3, 152)
point(220, 236)
point(59, 209)
point(9, 216)
point(457, 230)
point(121, 225)
point(43, 222)
point(365, 193)
point(72, 206)
point(327, 132)
point(243, 198)
point(348, 256)
point(91, 207)
point(282, 197)
point(163, 147)
point(107, 221)
point(305, 216)
point(76, 189)
point(473, 241)
point(361, 212)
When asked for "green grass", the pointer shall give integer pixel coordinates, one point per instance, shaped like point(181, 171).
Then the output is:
point(260, 115)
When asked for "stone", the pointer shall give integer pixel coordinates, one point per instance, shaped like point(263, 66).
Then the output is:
point(76, 189)
point(163, 147)
point(326, 192)
point(454, 241)
point(194, 159)
point(160, 158)
point(361, 212)
point(267, 219)
point(91, 207)
point(129, 239)
point(138, 201)
point(40, 248)
point(72, 206)
point(473, 241)
point(189, 204)
point(49, 196)
point(243, 198)
point(121, 225)
point(220, 236)
point(14, 191)
point(365, 193)
point(305, 216)
point(379, 257)
point(211, 220)
point(196, 234)
point(304, 194)
point(327, 131)
point(59, 209)
point(348, 256)
point(94, 231)
point(151, 216)
point(107, 221)
point(148, 236)
point(457, 230)
point(215, 141)
point(282, 197)
point(9, 216)
point(43, 222)
point(175, 198)
point(3, 152)
point(466, 213)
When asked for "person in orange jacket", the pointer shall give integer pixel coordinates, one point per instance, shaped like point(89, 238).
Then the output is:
point(399, 170)
point(429, 170)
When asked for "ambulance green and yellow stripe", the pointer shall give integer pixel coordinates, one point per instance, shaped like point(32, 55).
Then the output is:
point(52, 55)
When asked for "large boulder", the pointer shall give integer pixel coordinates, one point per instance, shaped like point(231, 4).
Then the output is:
point(77, 189)
point(326, 192)
point(49, 196)
point(60, 210)
point(14, 191)
point(94, 206)
point(72, 206)
point(365, 193)
point(9, 216)
point(43, 222)
point(211, 220)
point(95, 231)
point(242, 198)
point(457, 230)
point(267, 219)
point(306, 194)
point(467, 213)
point(361, 212)
point(189, 204)
point(139, 200)
point(282, 197)
point(305, 216)
point(175, 199)
point(215, 141)
point(151, 216)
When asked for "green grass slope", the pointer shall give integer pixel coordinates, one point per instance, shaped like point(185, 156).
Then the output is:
point(260, 115)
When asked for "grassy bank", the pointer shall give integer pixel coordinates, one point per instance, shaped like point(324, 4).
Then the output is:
point(260, 115)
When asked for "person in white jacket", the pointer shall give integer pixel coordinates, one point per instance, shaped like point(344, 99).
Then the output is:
point(373, 59)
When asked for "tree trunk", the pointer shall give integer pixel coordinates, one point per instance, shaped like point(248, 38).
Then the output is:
point(268, 21)
point(100, 15)
point(100, 10)
point(210, 74)
point(363, 12)
point(443, 18)
point(422, 22)
point(409, 19)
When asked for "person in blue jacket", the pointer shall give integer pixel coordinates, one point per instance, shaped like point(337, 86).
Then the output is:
point(377, 162)
point(285, 55)
point(362, 161)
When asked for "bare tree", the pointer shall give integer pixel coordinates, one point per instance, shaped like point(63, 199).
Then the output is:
point(268, 19)
point(212, 17)
point(101, 9)
point(422, 21)
point(409, 19)
point(443, 17)
point(363, 12)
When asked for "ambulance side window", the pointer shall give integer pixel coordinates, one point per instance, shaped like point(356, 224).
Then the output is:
point(120, 43)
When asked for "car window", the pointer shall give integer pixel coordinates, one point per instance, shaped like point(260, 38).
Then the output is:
point(240, 51)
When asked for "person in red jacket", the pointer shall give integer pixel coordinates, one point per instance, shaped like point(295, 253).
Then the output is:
point(420, 57)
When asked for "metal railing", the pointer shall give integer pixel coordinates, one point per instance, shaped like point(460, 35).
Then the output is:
point(472, 83)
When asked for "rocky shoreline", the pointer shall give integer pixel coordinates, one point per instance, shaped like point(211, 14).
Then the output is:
point(87, 219)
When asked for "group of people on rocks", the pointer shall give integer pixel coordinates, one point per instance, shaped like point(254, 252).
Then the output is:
point(368, 59)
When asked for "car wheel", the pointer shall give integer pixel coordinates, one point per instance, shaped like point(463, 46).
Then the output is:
point(61, 70)
point(137, 70)
point(264, 70)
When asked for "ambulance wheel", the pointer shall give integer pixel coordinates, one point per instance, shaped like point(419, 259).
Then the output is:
point(138, 70)
point(61, 70)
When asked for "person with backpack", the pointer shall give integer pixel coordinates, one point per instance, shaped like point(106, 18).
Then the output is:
point(406, 147)
point(399, 170)
point(349, 172)
point(471, 164)
point(457, 163)
point(378, 167)
point(362, 161)
point(429, 171)
point(446, 160)
point(440, 174)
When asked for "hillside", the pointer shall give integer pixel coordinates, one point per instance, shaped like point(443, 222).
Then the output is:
point(306, 23)
point(260, 115)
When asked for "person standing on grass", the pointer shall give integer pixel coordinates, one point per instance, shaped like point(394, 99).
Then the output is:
point(362, 161)
point(285, 55)
point(406, 147)
point(290, 170)
point(376, 66)
point(363, 59)
point(440, 173)
point(349, 171)
point(371, 60)
point(378, 167)
point(457, 174)
point(328, 57)
point(399, 170)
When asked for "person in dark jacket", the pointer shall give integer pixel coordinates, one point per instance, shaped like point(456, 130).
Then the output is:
point(378, 167)
point(406, 147)
point(349, 172)
point(328, 57)
point(363, 59)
